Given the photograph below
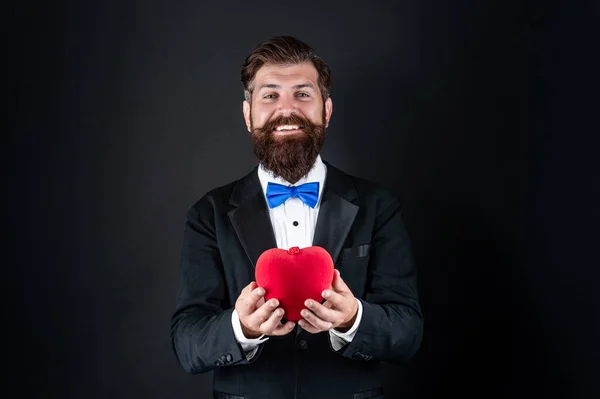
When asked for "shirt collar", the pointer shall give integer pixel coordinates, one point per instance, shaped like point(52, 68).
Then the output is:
point(316, 174)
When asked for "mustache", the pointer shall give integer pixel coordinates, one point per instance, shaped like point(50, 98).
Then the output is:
point(292, 119)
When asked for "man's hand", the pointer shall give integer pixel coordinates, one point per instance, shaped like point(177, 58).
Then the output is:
point(338, 311)
point(258, 317)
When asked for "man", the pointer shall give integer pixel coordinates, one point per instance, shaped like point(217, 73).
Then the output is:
point(371, 311)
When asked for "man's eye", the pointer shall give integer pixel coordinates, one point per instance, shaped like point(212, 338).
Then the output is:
point(270, 96)
point(302, 95)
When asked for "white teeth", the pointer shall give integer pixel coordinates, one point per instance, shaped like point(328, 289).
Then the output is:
point(287, 127)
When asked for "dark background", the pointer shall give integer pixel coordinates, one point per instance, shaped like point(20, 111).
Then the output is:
point(480, 115)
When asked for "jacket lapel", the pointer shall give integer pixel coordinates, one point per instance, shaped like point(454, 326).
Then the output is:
point(250, 217)
point(336, 216)
point(336, 213)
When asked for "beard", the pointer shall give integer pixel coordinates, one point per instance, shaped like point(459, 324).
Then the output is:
point(289, 157)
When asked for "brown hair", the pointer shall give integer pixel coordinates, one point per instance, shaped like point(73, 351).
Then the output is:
point(283, 50)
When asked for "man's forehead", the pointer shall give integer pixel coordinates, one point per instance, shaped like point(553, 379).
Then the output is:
point(286, 74)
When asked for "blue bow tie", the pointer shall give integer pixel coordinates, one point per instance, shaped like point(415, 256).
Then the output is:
point(277, 194)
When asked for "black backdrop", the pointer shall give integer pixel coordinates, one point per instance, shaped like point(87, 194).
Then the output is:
point(481, 115)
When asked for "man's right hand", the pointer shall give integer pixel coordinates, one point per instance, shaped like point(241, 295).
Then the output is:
point(258, 317)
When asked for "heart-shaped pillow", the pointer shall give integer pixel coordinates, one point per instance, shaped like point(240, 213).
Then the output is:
point(292, 276)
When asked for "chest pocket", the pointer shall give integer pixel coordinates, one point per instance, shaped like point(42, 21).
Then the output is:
point(359, 251)
point(353, 264)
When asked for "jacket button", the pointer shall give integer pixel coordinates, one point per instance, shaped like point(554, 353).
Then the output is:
point(218, 363)
point(303, 345)
point(358, 355)
point(229, 357)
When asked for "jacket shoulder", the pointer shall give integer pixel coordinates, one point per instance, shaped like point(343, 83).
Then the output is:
point(215, 200)
point(366, 190)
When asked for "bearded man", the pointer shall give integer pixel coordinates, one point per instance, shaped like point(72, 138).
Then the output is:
point(370, 314)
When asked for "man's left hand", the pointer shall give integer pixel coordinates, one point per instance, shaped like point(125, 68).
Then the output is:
point(338, 311)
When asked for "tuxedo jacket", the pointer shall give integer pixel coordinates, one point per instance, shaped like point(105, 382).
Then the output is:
point(361, 227)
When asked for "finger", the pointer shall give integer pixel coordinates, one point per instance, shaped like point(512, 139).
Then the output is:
point(328, 304)
point(322, 312)
point(308, 327)
point(338, 283)
point(337, 300)
point(252, 286)
point(315, 321)
point(248, 289)
point(264, 312)
point(283, 329)
point(260, 302)
point(248, 303)
point(272, 321)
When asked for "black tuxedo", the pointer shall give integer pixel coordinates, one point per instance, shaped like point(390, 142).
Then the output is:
point(360, 225)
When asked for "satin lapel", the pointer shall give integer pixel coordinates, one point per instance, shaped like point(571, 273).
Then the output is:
point(250, 218)
point(336, 216)
point(336, 213)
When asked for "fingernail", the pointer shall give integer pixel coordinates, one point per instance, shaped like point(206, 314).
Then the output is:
point(260, 292)
point(325, 294)
point(279, 312)
point(274, 303)
point(309, 303)
point(304, 313)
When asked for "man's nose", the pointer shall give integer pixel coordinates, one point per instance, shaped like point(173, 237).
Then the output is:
point(287, 105)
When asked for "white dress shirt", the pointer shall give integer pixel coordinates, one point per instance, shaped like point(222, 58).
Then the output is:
point(294, 225)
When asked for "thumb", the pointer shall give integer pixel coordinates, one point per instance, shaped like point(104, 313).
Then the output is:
point(338, 283)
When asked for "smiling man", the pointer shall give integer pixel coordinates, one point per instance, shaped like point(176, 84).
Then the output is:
point(293, 198)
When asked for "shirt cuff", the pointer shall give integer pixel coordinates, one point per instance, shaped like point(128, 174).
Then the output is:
point(340, 339)
point(249, 345)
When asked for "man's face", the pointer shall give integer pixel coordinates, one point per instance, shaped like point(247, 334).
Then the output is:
point(287, 118)
point(285, 90)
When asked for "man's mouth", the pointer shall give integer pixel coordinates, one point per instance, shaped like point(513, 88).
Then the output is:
point(288, 129)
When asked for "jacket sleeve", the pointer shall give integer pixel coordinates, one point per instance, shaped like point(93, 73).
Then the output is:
point(201, 329)
point(391, 328)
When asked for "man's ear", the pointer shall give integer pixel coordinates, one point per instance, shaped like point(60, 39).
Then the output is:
point(328, 111)
point(246, 111)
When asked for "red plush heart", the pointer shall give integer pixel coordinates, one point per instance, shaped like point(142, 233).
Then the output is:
point(293, 276)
